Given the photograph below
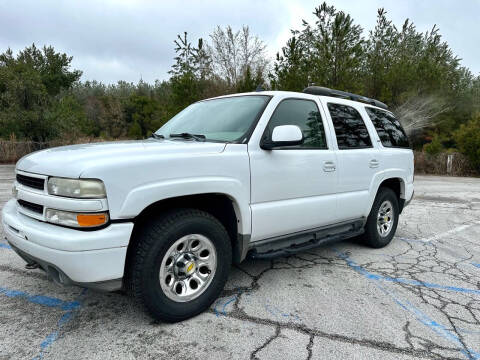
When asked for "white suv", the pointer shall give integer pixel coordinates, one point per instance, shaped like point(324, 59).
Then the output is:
point(259, 174)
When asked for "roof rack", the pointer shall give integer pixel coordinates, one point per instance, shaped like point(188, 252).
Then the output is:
point(319, 90)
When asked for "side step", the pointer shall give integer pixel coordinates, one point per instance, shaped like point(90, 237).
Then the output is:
point(305, 241)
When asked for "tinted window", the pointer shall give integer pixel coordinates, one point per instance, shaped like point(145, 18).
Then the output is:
point(349, 127)
point(388, 128)
point(304, 114)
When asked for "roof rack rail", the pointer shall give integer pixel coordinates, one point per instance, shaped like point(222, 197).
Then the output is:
point(319, 90)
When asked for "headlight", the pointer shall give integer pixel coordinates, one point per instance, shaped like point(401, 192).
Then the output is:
point(76, 188)
point(78, 220)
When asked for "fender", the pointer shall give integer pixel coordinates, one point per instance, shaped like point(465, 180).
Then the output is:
point(380, 177)
point(141, 197)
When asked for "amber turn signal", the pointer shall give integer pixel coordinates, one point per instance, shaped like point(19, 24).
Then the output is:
point(89, 220)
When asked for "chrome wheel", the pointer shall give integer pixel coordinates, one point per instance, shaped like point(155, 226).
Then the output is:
point(188, 267)
point(385, 218)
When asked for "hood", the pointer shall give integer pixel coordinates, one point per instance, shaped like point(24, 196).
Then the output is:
point(71, 161)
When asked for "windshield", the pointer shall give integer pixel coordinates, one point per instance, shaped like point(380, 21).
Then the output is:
point(225, 119)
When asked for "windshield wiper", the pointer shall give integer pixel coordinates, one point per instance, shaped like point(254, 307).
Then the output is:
point(157, 136)
point(197, 137)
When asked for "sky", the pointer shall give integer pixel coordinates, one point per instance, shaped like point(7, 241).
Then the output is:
point(114, 40)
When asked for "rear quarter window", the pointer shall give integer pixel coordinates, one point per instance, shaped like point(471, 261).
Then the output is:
point(388, 128)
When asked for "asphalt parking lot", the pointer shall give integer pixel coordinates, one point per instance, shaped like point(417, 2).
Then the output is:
point(417, 298)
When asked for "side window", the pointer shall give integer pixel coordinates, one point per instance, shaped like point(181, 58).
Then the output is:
point(349, 127)
point(388, 128)
point(304, 114)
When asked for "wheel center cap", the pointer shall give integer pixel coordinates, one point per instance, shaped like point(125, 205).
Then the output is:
point(190, 268)
point(385, 219)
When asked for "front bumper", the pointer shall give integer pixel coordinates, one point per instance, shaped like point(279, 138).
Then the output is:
point(79, 257)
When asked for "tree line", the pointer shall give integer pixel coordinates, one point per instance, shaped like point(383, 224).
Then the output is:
point(416, 73)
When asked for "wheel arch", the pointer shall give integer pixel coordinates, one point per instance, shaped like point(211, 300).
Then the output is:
point(397, 185)
point(221, 206)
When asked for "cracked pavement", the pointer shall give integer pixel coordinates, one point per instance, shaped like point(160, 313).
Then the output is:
point(417, 298)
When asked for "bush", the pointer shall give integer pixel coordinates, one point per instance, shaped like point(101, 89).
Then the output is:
point(468, 140)
point(437, 164)
point(434, 147)
point(12, 150)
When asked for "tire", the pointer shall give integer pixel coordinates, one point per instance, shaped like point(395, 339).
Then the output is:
point(373, 236)
point(156, 257)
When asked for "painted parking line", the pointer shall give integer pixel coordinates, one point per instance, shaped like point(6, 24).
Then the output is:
point(414, 241)
point(65, 319)
point(412, 282)
point(450, 232)
point(5, 246)
point(39, 299)
point(416, 312)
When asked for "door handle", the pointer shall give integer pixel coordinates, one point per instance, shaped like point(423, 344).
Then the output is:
point(329, 166)
point(374, 163)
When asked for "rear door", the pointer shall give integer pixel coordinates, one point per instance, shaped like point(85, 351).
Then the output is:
point(357, 156)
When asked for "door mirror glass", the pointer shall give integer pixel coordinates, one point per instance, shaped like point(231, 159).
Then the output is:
point(284, 135)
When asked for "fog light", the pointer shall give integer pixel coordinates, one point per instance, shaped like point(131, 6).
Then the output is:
point(77, 220)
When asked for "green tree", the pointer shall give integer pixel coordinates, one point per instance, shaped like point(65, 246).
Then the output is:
point(142, 112)
point(29, 84)
point(188, 72)
point(335, 49)
point(328, 53)
point(468, 140)
point(434, 147)
point(249, 82)
point(66, 118)
point(290, 70)
point(379, 57)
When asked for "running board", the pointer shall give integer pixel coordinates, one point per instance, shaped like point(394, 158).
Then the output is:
point(284, 246)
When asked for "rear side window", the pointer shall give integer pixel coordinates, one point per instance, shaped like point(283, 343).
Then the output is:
point(388, 128)
point(349, 127)
point(304, 114)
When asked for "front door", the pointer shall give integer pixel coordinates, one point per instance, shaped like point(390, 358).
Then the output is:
point(293, 188)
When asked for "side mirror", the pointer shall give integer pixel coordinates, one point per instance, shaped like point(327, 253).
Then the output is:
point(284, 135)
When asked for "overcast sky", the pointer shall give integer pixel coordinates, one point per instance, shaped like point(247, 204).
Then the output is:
point(125, 40)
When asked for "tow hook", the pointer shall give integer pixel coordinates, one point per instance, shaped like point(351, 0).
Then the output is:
point(31, 265)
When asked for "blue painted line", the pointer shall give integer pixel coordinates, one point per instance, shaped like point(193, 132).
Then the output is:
point(406, 305)
point(5, 246)
point(476, 265)
point(372, 276)
point(224, 306)
point(40, 299)
point(276, 312)
point(53, 336)
point(432, 324)
point(229, 301)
